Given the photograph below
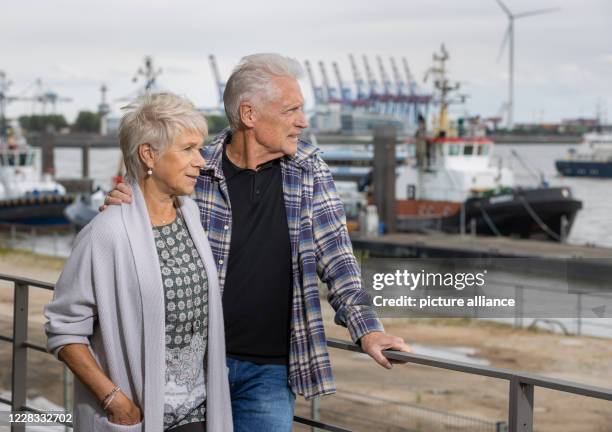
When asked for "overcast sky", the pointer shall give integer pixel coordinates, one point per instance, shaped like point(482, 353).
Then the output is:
point(563, 59)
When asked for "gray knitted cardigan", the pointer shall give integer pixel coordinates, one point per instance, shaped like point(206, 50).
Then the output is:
point(110, 297)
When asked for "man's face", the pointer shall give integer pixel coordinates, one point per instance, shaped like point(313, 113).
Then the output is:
point(279, 122)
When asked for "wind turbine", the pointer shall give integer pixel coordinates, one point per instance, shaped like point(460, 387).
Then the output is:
point(509, 39)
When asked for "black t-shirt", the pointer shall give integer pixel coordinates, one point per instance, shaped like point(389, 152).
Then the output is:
point(258, 285)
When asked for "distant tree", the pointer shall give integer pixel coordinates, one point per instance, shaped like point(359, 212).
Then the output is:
point(39, 123)
point(216, 123)
point(87, 121)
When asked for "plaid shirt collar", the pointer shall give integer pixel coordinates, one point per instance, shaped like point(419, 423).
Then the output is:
point(213, 153)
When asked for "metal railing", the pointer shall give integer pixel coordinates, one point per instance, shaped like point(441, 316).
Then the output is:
point(521, 384)
point(48, 240)
point(369, 412)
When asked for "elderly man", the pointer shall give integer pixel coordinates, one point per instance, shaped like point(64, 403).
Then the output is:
point(276, 225)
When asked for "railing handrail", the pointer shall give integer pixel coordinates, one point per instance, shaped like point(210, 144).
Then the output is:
point(488, 371)
point(521, 391)
point(27, 281)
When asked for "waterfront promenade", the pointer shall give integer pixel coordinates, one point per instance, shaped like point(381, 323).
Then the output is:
point(442, 397)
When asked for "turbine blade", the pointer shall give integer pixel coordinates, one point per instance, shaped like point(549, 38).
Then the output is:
point(536, 12)
point(504, 8)
point(503, 44)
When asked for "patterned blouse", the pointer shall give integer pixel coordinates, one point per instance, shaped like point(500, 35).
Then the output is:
point(186, 300)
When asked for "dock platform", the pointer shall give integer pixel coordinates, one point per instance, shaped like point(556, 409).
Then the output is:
point(582, 261)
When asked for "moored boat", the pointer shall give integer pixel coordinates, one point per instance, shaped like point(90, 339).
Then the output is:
point(593, 158)
point(26, 197)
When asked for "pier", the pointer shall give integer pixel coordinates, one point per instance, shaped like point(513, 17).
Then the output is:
point(49, 141)
point(441, 245)
point(587, 263)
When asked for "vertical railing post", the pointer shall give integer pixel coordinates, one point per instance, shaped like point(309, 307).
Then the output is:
point(13, 241)
point(501, 427)
point(33, 238)
point(520, 413)
point(20, 352)
point(462, 219)
point(518, 311)
point(68, 396)
point(579, 315)
point(85, 161)
point(315, 412)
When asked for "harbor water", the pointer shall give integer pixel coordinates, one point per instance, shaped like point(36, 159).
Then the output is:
point(591, 226)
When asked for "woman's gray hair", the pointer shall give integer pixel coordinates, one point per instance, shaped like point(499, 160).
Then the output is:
point(156, 119)
point(250, 81)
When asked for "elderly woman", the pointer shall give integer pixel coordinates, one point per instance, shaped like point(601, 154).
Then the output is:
point(136, 313)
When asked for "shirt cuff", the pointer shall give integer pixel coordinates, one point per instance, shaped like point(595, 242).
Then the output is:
point(363, 321)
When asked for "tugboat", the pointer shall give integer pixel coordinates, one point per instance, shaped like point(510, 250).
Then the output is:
point(450, 183)
point(593, 158)
point(26, 197)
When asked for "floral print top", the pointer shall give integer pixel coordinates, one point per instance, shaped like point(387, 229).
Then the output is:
point(186, 302)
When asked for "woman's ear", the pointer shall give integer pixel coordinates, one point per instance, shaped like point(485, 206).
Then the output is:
point(147, 155)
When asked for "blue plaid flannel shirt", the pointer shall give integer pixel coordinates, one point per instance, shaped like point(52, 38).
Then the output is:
point(320, 247)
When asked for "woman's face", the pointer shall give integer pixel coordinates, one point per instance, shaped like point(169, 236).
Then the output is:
point(177, 168)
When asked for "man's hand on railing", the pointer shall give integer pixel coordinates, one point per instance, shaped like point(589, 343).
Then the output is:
point(120, 195)
point(376, 342)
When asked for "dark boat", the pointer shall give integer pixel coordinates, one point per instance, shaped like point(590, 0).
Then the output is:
point(35, 210)
point(576, 168)
point(542, 213)
point(593, 158)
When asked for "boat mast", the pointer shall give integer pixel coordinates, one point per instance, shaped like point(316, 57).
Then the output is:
point(4, 85)
point(444, 87)
point(149, 73)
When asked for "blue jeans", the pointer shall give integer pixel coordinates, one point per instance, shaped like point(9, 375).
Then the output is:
point(261, 397)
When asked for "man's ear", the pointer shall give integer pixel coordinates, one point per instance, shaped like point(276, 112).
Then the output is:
point(147, 155)
point(248, 116)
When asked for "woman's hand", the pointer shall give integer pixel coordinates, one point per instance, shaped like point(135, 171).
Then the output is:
point(78, 358)
point(123, 411)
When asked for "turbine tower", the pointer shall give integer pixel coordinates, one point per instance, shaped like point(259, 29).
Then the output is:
point(509, 39)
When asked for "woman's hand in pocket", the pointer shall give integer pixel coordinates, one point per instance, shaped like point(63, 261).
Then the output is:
point(123, 411)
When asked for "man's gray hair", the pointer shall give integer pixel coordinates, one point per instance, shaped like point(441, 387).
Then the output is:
point(251, 81)
point(156, 119)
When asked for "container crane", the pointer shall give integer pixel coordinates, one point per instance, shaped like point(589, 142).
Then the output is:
point(217, 76)
point(409, 78)
point(316, 90)
point(403, 105)
point(329, 91)
point(414, 98)
point(345, 92)
point(400, 85)
point(372, 83)
point(387, 98)
point(359, 83)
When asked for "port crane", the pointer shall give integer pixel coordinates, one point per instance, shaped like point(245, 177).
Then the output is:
point(220, 84)
point(345, 92)
point(329, 90)
point(317, 91)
